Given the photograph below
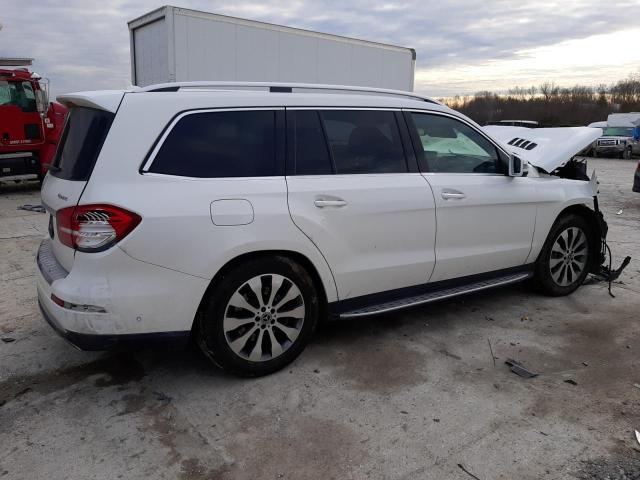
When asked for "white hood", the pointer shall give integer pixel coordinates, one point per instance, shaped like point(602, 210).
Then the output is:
point(545, 148)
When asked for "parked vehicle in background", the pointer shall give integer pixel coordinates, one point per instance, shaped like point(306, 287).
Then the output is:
point(621, 136)
point(30, 126)
point(516, 123)
point(173, 44)
point(243, 214)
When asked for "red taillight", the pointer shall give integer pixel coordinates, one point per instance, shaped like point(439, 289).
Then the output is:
point(92, 228)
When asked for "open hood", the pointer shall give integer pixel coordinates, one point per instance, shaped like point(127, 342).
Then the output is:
point(545, 148)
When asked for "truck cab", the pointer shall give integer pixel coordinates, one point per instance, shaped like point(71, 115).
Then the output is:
point(29, 126)
point(621, 136)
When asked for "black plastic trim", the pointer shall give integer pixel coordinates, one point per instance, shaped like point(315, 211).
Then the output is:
point(356, 303)
point(134, 341)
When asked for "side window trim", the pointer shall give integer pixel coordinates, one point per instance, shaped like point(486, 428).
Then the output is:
point(157, 145)
point(417, 144)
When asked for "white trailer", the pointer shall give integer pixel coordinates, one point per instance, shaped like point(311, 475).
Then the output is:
point(173, 44)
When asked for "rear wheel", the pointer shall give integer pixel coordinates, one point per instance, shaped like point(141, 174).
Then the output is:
point(563, 263)
point(260, 318)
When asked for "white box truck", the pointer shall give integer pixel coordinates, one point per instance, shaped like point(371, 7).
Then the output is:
point(173, 44)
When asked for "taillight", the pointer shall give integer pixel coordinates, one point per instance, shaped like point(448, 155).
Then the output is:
point(93, 228)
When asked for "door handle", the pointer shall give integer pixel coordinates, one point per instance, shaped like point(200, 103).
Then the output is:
point(449, 194)
point(322, 203)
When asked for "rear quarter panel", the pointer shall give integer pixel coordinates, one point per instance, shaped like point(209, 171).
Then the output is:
point(177, 231)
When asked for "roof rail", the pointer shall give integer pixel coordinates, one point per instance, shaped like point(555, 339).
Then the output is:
point(283, 88)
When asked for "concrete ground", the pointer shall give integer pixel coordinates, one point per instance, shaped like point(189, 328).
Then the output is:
point(413, 395)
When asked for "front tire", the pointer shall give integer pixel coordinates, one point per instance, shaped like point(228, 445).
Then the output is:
point(563, 263)
point(260, 317)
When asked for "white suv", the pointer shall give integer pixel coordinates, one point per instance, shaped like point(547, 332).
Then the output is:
point(243, 214)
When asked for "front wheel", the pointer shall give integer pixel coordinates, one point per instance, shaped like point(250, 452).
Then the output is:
point(260, 317)
point(563, 263)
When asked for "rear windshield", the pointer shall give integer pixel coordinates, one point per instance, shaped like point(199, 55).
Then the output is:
point(82, 139)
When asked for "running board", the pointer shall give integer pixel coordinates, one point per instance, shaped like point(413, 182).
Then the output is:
point(435, 295)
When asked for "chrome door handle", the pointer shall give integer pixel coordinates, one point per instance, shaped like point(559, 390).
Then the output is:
point(321, 203)
point(452, 194)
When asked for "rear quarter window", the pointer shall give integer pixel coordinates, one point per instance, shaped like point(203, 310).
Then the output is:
point(220, 144)
point(84, 134)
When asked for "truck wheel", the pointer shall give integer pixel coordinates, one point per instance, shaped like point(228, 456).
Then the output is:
point(627, 153)
point(595, 153)
point(563, 263)
point(260, 317)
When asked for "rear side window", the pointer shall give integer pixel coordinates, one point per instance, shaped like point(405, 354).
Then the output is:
point(307, 145)
point(81, 142)
point(364, 141)
point(220, 144)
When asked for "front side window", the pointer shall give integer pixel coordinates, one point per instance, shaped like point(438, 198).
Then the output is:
point(19, 94)
point(364, 141)
point(450, 146)
point(220, 144)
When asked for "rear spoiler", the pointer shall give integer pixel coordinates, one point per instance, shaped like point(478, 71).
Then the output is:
point(108, 100)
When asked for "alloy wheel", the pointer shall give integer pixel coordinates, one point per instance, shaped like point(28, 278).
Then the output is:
point(568, 258)
point(264, 317)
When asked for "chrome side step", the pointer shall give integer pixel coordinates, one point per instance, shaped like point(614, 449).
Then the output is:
point(435, 295)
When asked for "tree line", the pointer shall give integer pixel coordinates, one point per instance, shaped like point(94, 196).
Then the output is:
point(551, 105)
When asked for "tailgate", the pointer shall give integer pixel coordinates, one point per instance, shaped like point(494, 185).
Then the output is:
point(84, 133)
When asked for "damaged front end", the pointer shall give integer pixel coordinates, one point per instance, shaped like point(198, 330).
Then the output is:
point(555, 151)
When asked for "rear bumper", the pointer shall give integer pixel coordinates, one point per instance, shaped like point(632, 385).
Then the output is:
point(89, 342)
point(132, 317)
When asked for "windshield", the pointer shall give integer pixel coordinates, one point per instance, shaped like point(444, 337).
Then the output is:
point(19, 94)
point(618, 132)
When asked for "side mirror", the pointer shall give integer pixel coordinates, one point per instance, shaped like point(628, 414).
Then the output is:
point(42, 104)
point(517, 166)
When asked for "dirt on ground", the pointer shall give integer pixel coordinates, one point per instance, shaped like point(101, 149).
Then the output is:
point(412, 395)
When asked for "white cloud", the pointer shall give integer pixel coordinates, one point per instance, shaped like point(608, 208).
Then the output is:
point(462, 45)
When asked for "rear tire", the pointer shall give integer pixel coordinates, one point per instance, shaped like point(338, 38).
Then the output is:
point(260, 316)
point(563, 263)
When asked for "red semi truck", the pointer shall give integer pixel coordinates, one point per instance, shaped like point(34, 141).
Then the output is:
point(30, 126)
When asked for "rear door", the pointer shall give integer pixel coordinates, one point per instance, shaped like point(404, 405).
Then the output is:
point(352, 191)
point(84, 133)
point(485, 218)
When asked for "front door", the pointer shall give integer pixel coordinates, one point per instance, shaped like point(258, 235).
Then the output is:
point(351, 192)
point(485, 218)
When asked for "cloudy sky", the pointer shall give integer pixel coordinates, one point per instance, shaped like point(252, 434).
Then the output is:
point(463, 46)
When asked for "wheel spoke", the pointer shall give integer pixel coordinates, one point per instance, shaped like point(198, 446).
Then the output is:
point(291, 294)
point(255, 284)
point(297, 312)
point(291, 333)
point(238, 301)
point(276, 283)
point(231, 323)
point(276, 348)
point(239, 343)
point(256, 353)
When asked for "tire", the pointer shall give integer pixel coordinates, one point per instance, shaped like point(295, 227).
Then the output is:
point(248, 328)
point(595, 153)
point(627, 154)
point(559, 270)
